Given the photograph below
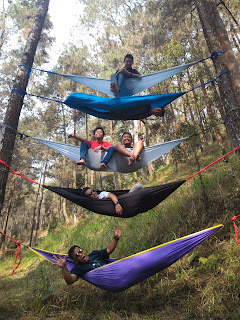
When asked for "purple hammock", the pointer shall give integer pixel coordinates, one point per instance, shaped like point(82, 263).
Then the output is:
point(122, 274)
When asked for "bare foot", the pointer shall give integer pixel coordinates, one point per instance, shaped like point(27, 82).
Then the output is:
point(131, 160)
point(81, 162)
point(138, 158)
point(102, 166)
point(114, 88)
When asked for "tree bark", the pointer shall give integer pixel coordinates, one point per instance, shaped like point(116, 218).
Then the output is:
point(16, 100)
point(3, 27)
point(5, 223)
point(210, 112)
point(40, 203)
point(34, 216)
point(217, 39)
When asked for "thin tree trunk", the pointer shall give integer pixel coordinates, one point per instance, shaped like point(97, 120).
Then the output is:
point(64, 211)
point(204, 192)
point(210, 113)
point(3, 27)
point(16, 100)
point(199, 112)
point(40, 204)
point(34, 216)
point(5, 223)
point(112, 124)
point(100, 181)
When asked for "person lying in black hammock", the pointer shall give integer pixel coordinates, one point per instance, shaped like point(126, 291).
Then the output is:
point(92, 193)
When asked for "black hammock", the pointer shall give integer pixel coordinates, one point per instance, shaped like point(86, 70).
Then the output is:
point(132, 203)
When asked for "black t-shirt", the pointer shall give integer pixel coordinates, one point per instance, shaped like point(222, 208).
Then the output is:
point(132, 113)
point(96, 260)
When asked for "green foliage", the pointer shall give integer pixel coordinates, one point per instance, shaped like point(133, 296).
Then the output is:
point(51, 292)
point(202, 285)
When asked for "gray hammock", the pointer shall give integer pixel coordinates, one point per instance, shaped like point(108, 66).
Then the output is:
point(133, 85)
point(118, 163)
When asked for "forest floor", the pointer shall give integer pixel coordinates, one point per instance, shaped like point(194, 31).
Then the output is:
point(205, 284)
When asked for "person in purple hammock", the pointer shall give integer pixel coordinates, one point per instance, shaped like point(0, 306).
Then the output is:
point(83, 262)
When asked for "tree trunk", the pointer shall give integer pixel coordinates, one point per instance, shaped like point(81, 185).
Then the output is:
point(100, 181)
point(16, 100)
point(217, 39)
point(3, 27)
point(210, 112)
point(64, 211)
point(40, 204)
point(199, 111)
point(5, 223)
point(34, 216)
point(116, 184)
point(112, 125)
point(204, 192)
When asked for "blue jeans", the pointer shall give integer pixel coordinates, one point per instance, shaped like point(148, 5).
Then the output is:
point(84, 148)
point(120, 82)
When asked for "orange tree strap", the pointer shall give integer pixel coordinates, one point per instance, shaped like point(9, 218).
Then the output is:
point(235, 227)
point(234, 150)
point(18, 252)
point(18, 173)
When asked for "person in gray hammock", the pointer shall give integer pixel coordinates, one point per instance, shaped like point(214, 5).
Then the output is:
point(118, 78)
point(127, 150)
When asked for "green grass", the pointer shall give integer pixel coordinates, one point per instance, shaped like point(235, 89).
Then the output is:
point(202, 285)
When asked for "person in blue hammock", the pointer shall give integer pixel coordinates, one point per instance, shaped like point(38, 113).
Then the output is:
point(118, 78)
point(83, 262)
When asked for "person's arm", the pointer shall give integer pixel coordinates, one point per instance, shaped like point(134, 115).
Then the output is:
point(134, 75)
point(101, 147)
point(128, 73)
point(62, 263)
point(118, 207)
point(76, 137)
point(158, 111)
point(117, 234)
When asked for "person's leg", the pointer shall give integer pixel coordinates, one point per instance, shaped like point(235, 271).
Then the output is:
point(83, 153)
point(121, 80)
point(107, 158)
point(136, 187)
point(126, 86)
point(125, 152)
point(114, 78)
point(121, 149)
point(137, 149)
point(114, 84)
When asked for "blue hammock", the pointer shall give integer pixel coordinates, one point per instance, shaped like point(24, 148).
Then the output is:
point(121, 274)
point(120, 108)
